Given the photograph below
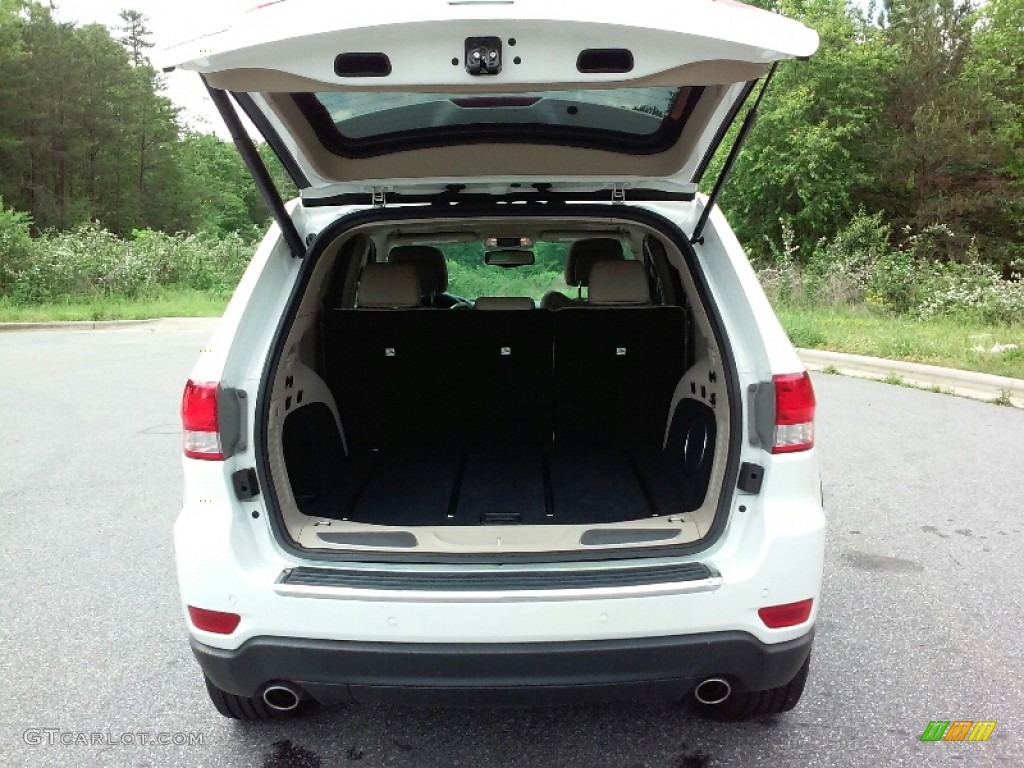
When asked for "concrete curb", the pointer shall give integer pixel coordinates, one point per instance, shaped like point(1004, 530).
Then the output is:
point(206, 324)
point(977, 386)
point(74, 325)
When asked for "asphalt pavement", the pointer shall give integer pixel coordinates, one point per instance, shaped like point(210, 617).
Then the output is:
point(921, 620)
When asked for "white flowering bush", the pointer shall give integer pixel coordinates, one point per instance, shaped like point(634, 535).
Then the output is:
point(89, 261)
point(860, 267)
point(781, 274)
point(975, 291)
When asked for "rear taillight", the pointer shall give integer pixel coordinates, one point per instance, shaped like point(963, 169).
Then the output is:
point(788, 615)
point(794, 413)
point(217, 622)
point(199, 421)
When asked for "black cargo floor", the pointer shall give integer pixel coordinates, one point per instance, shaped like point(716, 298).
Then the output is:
point(502, 486)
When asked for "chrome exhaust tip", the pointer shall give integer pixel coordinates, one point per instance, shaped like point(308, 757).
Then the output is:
point(281, 697)
point(714, 690)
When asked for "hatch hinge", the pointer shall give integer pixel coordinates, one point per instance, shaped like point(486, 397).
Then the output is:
point(618, 193)
point(378, 197)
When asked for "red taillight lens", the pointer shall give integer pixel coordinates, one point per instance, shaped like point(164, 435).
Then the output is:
point(199, 421)
point(218, 622)
point(788, 615)
point(794, 413)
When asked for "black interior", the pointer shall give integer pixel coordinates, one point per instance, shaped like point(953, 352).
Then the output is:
point(501, 417)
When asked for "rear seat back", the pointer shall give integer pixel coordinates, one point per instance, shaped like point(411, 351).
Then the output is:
point(501, 369)
point(602, 373)
point(617, 361)
point(373, 352)
point(403, 375)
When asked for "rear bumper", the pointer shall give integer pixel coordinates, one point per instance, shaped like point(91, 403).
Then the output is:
point(480, 674)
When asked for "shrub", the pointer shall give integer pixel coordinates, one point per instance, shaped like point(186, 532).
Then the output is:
point(89, 262)
point(843, 269)
point(974, 291)
point(781, 276)
point(919, 277)
point(16, 246)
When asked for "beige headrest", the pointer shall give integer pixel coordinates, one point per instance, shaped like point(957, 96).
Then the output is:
point(388, 286)
point(618, 283)
point(584, 254)
point(429, 262)
point(504, 302)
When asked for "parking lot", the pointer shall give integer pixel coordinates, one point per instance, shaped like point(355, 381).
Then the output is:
point(922, 614)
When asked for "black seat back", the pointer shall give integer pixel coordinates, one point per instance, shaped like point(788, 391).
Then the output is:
point(425, 376)
point(615, 373)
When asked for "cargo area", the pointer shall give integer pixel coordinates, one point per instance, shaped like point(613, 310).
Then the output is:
point(408, 418)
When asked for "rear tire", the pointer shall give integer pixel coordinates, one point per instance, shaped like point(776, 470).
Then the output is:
point(750, 705)
point(245, 707)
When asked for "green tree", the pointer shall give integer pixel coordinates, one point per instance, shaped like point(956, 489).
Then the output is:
point(217, 185)
point(996, 72)
point(83, 133)
point(807, 160)
point(135, 35)
point(946, 158)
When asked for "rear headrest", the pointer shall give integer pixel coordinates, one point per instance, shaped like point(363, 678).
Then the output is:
point(388, 286)
point(618, 283)
point(429, 263)
point(585, 253)
point(504, 302)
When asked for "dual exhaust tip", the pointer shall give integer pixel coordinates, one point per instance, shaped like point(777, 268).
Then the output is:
point(714, 690)
point(282, 697)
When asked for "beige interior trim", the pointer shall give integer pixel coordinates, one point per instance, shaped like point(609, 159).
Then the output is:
point(482, 160)
point(259, 80)
point(304, 530)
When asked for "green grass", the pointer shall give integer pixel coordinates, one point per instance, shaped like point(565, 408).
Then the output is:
point(169, 302)
point(945, 341)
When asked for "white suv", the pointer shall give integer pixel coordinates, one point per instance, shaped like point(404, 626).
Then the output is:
point(398, 492)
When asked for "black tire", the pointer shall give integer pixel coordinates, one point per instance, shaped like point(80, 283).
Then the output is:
point(246, 708)
point(750, 705)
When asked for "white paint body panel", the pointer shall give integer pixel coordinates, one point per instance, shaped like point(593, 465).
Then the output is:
point(770, 553)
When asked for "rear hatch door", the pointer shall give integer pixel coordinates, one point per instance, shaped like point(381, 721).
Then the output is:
point(504, 98)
